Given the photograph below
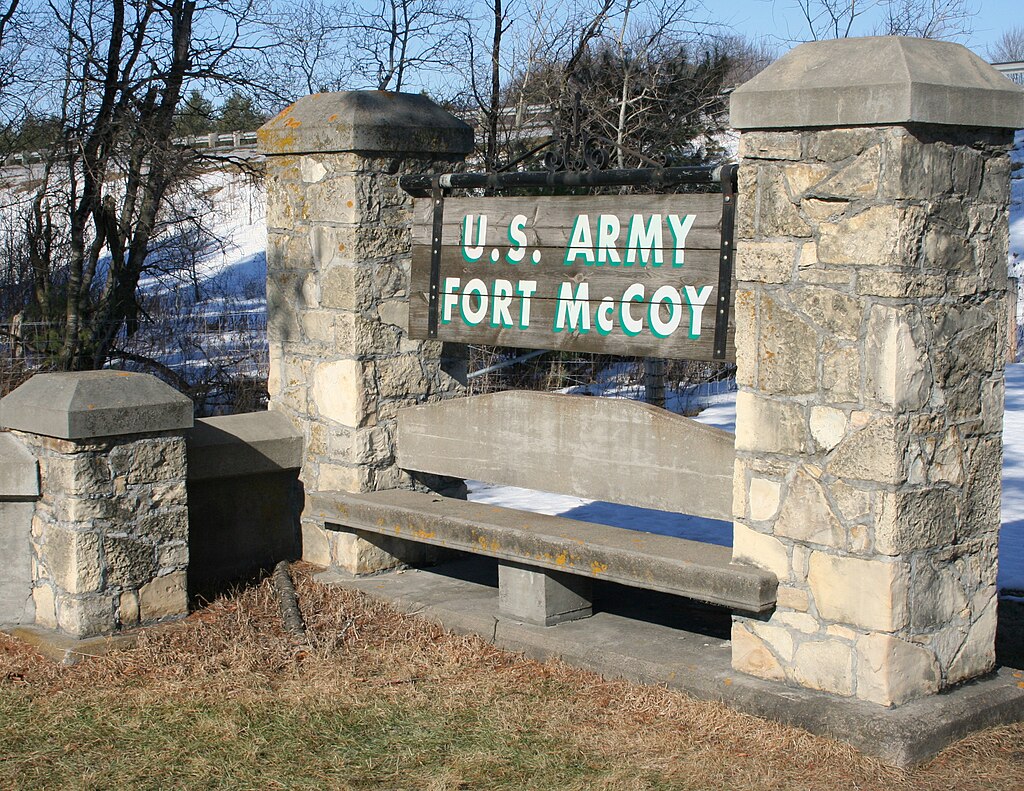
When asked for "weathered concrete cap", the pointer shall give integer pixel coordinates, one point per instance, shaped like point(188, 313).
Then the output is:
point(378, 121)
point(223, 447)
point(877, 80)
point(89, 404)
point(19, 470)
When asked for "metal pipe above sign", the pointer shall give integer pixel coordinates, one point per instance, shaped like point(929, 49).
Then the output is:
point(635, 275)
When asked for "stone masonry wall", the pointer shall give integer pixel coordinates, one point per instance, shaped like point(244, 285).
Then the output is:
point(110, 532)
point(870, 315)
point(341, 365)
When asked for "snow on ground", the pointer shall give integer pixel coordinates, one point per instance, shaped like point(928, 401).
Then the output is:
point(723, 415)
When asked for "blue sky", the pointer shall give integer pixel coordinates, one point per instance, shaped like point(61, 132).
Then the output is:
point(781, 19)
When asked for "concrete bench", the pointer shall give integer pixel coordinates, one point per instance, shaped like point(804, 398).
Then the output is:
point(608, 449)
point(570, 553)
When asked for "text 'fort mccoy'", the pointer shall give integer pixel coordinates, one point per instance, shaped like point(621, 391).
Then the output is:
point(518, 271)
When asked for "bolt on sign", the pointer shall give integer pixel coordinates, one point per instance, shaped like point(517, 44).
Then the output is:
point(637, 275)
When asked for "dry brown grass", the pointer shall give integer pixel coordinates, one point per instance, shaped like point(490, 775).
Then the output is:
point(382, 700)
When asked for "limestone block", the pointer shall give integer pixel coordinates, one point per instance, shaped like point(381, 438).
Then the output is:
point(764, 498)
point(858, 179)
point(937, 595)
point(784, 366)
point(792, 598)
point(759, 549)
point(316, 548)
point(840, 373)
point(801, 176)
point(807, 516)
point(340, 392)
point(770, 145)
point(836, 313)
point(977, 656)
point(85, 616)
point(164, 597)
point(768, 426)
point(46, 606)
point(765, 262)
point(77, 474)
point(896, 371)
point(891, 671)
point(73, 560)
point(854, 504)
point(826, 665)
point(746, 337)
point(172, 556)
point(394, 312)
point(899, 284)
point(168, 525)
point(828, 426)
point(819, 211)
point(129, 562)
point(343, 478)
point(740, 500)
point(916, 519)
point(750, 655)
point(347, 286)
point(873, 453)
point(797, 621)
point(837, 145)
point(358, 552)
point(777, 214)
point(870, 594)
point(128, 608)
point(149, 460)
point(777, 638)
point(870, 238)
point(401, 377)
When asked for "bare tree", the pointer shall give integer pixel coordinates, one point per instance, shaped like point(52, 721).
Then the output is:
point(393, 40)
point(1009, 47)
point(312, 43)
point(940, 19)
point(120, 69)
point(832, 18)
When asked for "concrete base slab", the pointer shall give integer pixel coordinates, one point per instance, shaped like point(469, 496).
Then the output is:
point(653, 638)
point(68, 650)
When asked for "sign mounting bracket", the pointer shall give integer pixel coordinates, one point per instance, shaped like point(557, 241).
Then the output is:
point(725, 260)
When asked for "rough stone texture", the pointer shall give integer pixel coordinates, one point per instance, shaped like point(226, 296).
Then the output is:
point(89, 404)
point(338, 268)
point(872, 274)
point(110, 531)
point(875, 80)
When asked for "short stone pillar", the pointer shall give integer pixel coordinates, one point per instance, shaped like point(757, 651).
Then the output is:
point(338, 283)
point(110, 530)
point(870, 316)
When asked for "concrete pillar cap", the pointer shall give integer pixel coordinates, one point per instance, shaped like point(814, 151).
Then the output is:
point(875, 81)
point(91, 404)
point(372, 121)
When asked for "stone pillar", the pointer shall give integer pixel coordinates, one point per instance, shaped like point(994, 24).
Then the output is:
point(338, 284)
point(110, 530)
point(870, 315)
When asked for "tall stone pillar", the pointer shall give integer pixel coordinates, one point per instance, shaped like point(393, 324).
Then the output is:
point(109, 535)
point(338, 284)
point(871, 260)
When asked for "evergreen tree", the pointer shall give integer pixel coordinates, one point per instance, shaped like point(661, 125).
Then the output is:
point(238, 113)
point(195, 116)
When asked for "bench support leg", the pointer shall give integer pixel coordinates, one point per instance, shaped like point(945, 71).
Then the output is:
point(542, 597)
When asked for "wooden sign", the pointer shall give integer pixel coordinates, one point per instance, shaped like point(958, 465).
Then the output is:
point(635, 275)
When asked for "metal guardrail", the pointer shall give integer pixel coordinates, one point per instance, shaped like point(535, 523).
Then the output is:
point(214, 140)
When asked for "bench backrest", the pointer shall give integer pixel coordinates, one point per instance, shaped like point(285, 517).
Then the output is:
point(608, 449)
